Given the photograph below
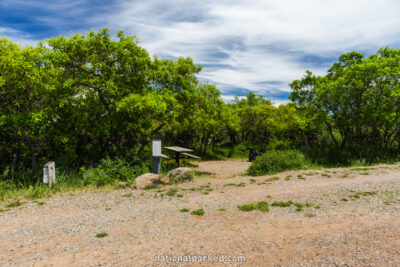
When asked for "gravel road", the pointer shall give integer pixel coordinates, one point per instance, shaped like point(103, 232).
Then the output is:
point(352, 219)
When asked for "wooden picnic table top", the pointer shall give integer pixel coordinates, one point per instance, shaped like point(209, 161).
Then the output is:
point(178, 149)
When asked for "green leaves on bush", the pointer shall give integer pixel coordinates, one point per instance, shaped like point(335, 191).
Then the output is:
point(262, 205)
point(111, 171)
point(276, 161)
point(199, 212)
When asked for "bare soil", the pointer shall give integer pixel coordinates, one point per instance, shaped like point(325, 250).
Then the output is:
point(352, 219)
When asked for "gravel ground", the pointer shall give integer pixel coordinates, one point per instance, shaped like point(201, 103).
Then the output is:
point(352, 220)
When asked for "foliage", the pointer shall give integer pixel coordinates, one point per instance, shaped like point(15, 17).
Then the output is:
point(276, 161)
point(358, 103)
point(199, 212)
point(111, 171)
point(101, 235)
point(93, 102)
point(247, 207)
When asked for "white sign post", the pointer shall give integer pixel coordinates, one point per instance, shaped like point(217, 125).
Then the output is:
point(156, 156)
point(49, 173)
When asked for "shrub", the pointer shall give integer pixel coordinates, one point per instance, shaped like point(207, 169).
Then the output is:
point(276, 161)
point(101, 235)
point(14, 204)
point(282, 204)
point(247, 207)
point(111, 171)
point(172, 191)
point(262, 205)
point(199, 212)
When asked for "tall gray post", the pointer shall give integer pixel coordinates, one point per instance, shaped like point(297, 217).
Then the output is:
point(156, 156)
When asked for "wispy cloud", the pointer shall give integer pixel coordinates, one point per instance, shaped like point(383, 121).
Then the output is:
point(248, 43)
point(256, 45)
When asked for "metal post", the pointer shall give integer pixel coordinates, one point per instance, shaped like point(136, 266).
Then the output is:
point(156, 156)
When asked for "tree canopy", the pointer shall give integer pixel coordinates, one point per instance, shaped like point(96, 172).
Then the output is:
point(80, 99)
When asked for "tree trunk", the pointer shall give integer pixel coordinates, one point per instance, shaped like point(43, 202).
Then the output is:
point(14, 162)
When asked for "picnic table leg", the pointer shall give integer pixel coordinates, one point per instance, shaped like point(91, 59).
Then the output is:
point(177, 158)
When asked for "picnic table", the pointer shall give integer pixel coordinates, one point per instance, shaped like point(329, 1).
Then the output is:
point(181, 150)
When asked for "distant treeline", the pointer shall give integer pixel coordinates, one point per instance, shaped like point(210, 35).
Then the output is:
point(81, 99)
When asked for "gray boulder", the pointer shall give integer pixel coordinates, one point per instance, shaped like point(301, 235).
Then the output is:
point(147, 179)
point(180, 174)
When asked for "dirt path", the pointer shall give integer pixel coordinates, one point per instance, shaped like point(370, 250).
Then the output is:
point(352, 220)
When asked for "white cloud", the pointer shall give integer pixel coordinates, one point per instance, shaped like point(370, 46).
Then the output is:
point(17, 36)
point(264, 39)
point(242, 44)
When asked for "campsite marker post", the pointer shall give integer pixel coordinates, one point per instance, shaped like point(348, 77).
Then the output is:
point(49, 173)
point(156, 156)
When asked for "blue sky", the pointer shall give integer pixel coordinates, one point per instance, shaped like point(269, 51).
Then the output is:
point(253, 45)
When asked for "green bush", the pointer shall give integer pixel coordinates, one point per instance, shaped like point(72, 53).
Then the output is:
point(276, 161)
point(199, 212)
point(247, 207)
point(111, 171)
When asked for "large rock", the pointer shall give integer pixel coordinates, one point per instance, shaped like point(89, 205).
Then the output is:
point(180, 174)
point(147, 179)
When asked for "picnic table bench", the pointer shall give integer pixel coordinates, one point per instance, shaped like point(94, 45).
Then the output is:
point(181, 150)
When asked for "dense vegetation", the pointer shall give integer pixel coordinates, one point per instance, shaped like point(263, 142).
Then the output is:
point(96, 101)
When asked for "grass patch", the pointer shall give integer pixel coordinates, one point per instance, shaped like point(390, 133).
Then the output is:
point(107, 209)
point(263, 206)
point(171, 192)
point(287, 178)
point(282, 204)
point(199, 212)
point(101, 235)
point(205, 193)
point(317, 207)
point(179, 195)
point(233, 184)
point(247, 207)
point(344, 199)
point(40, 202)
point(15, 203)
point(299, 176)
point(272, 179)
point(127, 195)
point(151, 187)
point(362, 169)
point(268, 196)
point(359, 194)
point(325, 175)
point(252, 181)
point(299, 206)
point(221, 209)
point(184, 210)
point(309, 204)
point(309, 215)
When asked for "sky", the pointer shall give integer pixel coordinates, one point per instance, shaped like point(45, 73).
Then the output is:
point(247, 46)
